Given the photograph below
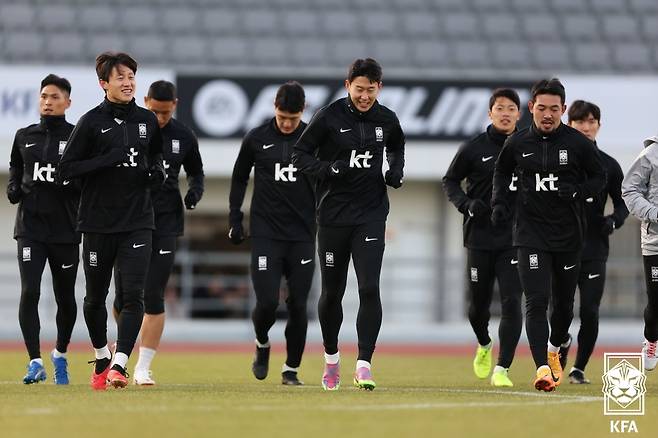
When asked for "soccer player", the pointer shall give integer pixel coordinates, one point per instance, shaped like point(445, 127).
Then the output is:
point(641, 197)
point(344, 146)
point(490, 253)
point(557, 168)
point(116, 149)
point(45, 226)
point(282, 223)
point(586, 117)
point(180, 148)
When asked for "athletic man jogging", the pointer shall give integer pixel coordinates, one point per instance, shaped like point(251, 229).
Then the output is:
point(557, 168)
point(490, 252)
point(282, 228)
point(344, 146)
point(116, 149)
point(45, 226)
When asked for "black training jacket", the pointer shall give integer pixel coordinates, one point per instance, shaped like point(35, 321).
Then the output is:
point(475, 161)
point(46, 212)
point(179, 148)
point(283, 200)
point(544, 220)
point(597, 244)
point(339, 131)
point(113, 148)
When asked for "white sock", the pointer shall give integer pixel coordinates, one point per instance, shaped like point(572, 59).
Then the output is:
point(544, 366)
point(103, 353)
point(120, 359)
point(265, 345)
point(332, 359)
point(56, 354)
point(37, 360)
point(576, 369)
point(285, 368)
point(145, 358)
point(362, 364)
point(499, 369)
point(567, 343)
point(553, 349)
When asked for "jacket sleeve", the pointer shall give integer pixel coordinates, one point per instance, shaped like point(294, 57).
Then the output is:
point(156, 163)
point(459, 169)
point(594, 169)
point(395, 150)
point(193, 166)
point(505, 165)
point(239, 180)
point(305, 152)
point(615, 177)
point(15, 165)
point(77, 160)
point(635, 188)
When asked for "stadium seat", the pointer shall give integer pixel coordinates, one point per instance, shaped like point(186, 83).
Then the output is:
point(500, 26)
point(16, 16)
point(642, 6)
point(269, 52)
point(341, 23)
point(176, 20)
point(542, 26)
point(259, 22)
point(228, 51)
point(300, 23)
point(460, 26)
point(608, 7)
point(419, 25)
point(344, 51)
point(471, 55)
point(56, 17)
point(579, 28)
point(511, 56)
point(97, 18)
point(633, 58)
point(221, 22)
point(381, 24)
point(64, 46)
point(551, 58)
point(431, 54)
point(649, 26)
point(309, 52)
point(392, 52)
point(189, 50)
point(488, 6)
point(140, 18)
point(620, 28)
point(450, 5)
point(569, 6)
point(23, 46)
point(591, 56)
point(100, 42)
point(150, 48)
point(529, 6)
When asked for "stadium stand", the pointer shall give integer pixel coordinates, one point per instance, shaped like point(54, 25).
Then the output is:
point(450, 36)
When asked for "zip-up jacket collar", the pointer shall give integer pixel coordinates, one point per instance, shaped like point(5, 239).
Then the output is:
point(543, 136)
point(52, 122)
point(119, 110)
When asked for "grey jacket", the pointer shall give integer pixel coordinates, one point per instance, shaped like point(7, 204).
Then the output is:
point(640, 193)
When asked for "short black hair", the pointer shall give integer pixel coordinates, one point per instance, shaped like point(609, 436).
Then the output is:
point(580, 109)
point(505, 92)
point(365, 67)
point(162, 90)
point(61, 83)
point(290, 97)
point(107, 61)
point(548, 86)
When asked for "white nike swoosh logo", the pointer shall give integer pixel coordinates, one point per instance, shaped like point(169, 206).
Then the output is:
point(469, 213)
point(29, 145)
point(566, 268)
point(370, 239)
point(344, 130)
point(591, 276)
point(513, 262)
point(589, 200)
point(267, 146)
point(527, 155)
point(486, 158)
point(103, 131)
point(305, 262)
point(66, 183)
point(334, 170)
point(163, 252)
point(138, 245)
point(67, 266)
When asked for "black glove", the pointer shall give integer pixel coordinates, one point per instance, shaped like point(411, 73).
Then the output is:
point(568, 191)
point(14, 194)
point(499, 215)
point(156, 178)
point(191, 199)
point(608, 226)
point(393, 179)
point(337, 169)
point(476, 208)
point(116, 156)
point(236, 234)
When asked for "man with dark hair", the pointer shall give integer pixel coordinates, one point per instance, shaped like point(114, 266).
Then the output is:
point(490, 252)
point(557, 169)
point(116, 149)
point(282, 228)
point(344, 147)
point(45, 226)
point(180, 148)
point(586, 118)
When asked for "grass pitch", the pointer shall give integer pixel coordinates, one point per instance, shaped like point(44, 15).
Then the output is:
point(215, 395)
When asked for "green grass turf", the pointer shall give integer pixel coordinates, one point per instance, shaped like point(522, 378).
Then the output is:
point(201, 395)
